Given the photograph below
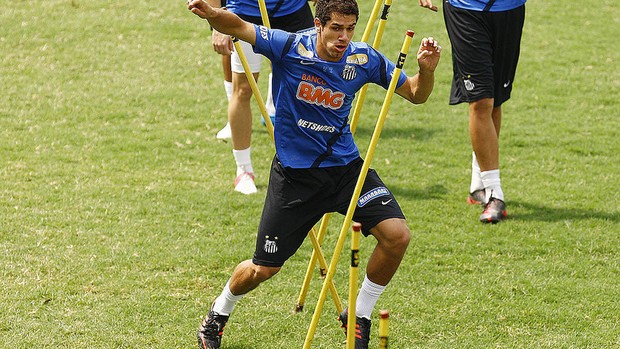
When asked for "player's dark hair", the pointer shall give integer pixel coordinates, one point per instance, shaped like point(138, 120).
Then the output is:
point(325, 9)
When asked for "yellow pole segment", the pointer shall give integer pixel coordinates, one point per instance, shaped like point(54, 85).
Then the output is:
point(358, 188)
point(263, 13)
point(384, 317)
point(313, 259)
point(253, 86)
point(361, 96)
point(323, 263)
point(371, 20)
point(353, 281)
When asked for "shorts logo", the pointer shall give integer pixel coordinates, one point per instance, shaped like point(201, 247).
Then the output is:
point(371, 195)
point(469, 85)
point(263, 32)
point(349, 72)
point(319, 95)
point(270, 245)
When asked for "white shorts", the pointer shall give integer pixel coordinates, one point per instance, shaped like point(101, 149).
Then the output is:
point(254, 59)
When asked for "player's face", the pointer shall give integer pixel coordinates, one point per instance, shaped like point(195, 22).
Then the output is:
point(334, 37)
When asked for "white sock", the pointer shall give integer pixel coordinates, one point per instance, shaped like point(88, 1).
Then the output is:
point(243, 160)
point(228, 89)
point(367, 298)
point(225, 303)
point(271, 109)
point(476, 180)
point(492, 184)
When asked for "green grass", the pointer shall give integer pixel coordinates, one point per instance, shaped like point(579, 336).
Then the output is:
point(118, 223)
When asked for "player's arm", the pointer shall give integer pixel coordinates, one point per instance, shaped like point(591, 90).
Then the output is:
point(223, 21)
point(418, 88)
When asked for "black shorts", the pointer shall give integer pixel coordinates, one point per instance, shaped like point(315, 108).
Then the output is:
point(301, 19)
point(298, 198)
point(485, 52)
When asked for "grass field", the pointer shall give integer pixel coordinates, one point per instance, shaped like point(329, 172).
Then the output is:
point(118, 223)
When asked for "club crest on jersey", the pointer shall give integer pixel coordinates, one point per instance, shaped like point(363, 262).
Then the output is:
point(349, 72)
point(270, 245)
point(303, 51)
point(319, 95)
point(359, 59)
point(371, 195)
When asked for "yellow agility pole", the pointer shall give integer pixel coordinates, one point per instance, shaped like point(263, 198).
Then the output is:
point(358, 188)
point(361, 96)
point(263, 13)
point(371, 20)
point(323, 263)
point(353, 281)
point(248, 71)
point(313, 260)
point(384, 317)
point(322, 229)
point(253, 85)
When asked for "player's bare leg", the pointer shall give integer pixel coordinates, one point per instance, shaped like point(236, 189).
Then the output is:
point(240, 118)
point(484, 129)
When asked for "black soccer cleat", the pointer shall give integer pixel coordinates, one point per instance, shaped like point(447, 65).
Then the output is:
point(211, 330)
point(362, 329)
point(494, 211)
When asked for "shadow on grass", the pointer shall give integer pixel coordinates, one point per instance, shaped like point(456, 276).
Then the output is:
point(518, 210)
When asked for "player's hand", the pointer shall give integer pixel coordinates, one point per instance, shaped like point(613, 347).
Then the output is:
point(428, 4)
point(222, 43)
point(428, 54)
point(201, 8)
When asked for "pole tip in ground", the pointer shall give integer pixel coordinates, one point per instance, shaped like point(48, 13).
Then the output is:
point(410, 33)
point(384, 314)
point(357, 226)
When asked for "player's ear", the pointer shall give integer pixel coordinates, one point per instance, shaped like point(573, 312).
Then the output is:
point(317, 25)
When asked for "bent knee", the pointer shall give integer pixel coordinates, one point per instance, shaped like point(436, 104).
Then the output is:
point(394, 233)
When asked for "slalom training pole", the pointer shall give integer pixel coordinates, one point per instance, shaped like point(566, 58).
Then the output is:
point(361, 96)
point(263, 13)
point(312, 263)
point(248, 71)
point(313, 260)
point(384, 317)
point(371, 20)
point(353, 281)
point(253, 86)
point(358, 188)
point(323, 263)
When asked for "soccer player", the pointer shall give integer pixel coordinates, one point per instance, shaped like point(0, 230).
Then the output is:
point(317, 163)
point(486, 39)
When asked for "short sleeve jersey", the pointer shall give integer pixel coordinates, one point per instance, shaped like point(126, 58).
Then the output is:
point(479, 5)
point(313, 97)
